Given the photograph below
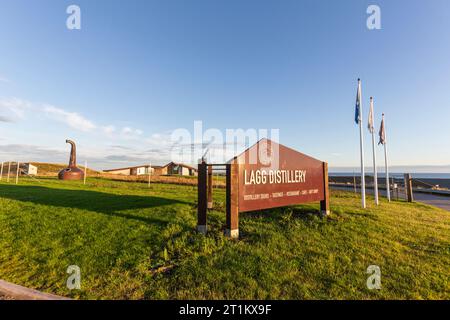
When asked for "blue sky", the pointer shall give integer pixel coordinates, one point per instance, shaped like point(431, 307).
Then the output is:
point(137, 70)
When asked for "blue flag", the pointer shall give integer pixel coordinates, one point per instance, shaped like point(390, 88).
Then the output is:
point(358, 104)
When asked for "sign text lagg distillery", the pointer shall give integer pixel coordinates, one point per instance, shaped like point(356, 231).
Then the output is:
point(274, 176)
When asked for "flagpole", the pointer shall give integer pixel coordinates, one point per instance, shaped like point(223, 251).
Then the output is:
point(149, 174)
point(361, 147)
point(9, 170)
point(85, 172)
point(375, 174)
point(388, 189)
point(17, 172)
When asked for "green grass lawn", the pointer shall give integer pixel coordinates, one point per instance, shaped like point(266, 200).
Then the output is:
point(132, 242)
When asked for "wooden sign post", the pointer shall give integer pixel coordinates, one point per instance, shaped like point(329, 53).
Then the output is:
point(408, 187)
point(325, 203)
point(210, 185)
point(267, 175)
point(201, 197)
point(232, 198)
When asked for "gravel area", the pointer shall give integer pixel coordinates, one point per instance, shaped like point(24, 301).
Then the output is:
point(3, 297)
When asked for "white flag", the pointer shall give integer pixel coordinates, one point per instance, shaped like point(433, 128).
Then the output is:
point(370, 122)
point(382, 132)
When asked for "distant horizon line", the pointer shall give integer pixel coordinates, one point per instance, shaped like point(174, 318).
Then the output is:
point(332, 169)
point(394, 169)
point(398, 165)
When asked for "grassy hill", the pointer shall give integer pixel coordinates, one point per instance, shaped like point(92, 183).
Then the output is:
point(132, 242)
point(52, 169)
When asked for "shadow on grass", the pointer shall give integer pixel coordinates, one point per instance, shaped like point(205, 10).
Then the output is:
point(105, 203)
point(304, 213)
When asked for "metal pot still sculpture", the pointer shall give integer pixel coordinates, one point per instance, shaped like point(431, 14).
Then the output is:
point(72, 172)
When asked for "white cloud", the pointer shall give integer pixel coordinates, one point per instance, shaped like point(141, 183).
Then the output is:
point(159, 139)
point(135, 147)
point(130, 132)
point(13, 109)
point(108, 129)
point(5, 80)
point(72, 119)
point(5, 119)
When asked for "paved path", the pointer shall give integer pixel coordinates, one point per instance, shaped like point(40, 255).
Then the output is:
point(435, 200)
point(432, 199)
point(11, 291)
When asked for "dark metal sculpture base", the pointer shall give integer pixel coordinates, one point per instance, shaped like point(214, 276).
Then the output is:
point(71, 174)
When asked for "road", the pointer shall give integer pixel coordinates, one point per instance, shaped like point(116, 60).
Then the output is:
point(435, 200)
point(432, 199)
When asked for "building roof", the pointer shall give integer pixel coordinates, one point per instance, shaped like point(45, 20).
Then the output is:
point(154, 167)
point(133, 167)
point(14, 163)
point(181, 165)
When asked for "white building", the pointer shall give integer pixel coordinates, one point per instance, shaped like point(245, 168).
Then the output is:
point(131, 171)
point(29, 169)
point(25, 168)
point(170, 169)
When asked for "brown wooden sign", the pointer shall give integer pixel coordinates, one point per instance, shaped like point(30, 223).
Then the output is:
point(267, 175)
point(285, 177)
